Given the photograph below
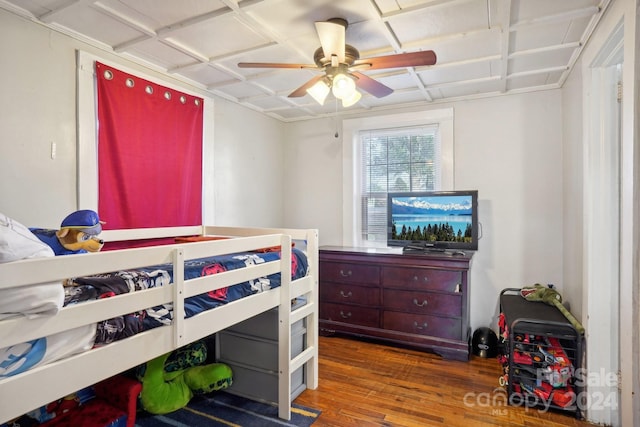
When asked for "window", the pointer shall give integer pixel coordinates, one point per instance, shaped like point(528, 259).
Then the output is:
point(398, 152)
point(402, 159)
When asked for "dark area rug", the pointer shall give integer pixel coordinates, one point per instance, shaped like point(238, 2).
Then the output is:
point(225, 409)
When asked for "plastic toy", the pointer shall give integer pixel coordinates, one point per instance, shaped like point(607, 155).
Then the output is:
point(171, 380)
point(564, 396)
point(550, 296)
point(559, 369)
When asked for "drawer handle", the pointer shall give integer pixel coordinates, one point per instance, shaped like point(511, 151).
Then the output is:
point(347, 295)
point(345, 316)
point(347, 274)
point(421, 327)
point(425, 279)
point(420, 304)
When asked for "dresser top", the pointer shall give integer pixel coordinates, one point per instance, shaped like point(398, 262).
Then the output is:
point(449, 253)
point(387, 250)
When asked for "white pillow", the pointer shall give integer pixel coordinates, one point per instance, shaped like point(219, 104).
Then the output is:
point(17, 242)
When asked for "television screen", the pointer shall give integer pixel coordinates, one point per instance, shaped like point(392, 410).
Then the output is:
point(437, 220)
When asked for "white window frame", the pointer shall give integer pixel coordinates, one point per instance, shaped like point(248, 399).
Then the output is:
point(87, 193)
point(352, 174)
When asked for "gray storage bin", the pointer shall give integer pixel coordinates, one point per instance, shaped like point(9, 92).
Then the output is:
point(262, 385)
point(254, 351)
point(265, 325)
point(250, 348)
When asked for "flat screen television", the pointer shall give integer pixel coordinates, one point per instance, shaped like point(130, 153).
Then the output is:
point(436, 220)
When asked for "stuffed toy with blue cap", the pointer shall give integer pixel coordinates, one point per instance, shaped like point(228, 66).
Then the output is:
point(78, 234)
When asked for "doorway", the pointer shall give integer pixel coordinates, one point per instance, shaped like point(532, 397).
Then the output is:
point(602, 198)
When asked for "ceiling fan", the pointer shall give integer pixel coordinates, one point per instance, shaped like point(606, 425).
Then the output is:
point(341, 64)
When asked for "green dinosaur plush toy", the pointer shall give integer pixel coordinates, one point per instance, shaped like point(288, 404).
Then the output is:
point(171, 380)
point(550, 296)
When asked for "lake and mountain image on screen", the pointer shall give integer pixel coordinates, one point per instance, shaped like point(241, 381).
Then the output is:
point(432, 218)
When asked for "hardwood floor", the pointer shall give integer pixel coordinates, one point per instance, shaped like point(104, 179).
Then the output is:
point(368, 384)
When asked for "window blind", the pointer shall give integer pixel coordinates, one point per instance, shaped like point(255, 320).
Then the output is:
point(399, 159)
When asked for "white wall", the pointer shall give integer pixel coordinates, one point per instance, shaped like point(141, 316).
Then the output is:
point(314, 161)
point(509, 148)
point(573, 189)
point(249, 167)
point(38, 106)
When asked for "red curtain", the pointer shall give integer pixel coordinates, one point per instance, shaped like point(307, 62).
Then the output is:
point(149, 153)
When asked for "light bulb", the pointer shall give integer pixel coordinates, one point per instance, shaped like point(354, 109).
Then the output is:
point(319, 91)
point(348, 102)
point(343, 86)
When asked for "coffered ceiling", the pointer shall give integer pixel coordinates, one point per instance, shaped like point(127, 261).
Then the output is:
point(483, 47)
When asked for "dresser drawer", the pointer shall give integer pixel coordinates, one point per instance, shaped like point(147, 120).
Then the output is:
point(349, 273)
point(350, 314)
point(421, 279)
point(347, 293)
point(423, 302)
point(443, 327)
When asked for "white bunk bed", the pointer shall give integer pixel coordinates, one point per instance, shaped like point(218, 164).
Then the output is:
point(43, 384)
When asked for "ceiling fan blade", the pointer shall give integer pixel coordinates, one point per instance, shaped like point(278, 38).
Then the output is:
point(332, 38)
point(274, 65)
point(372, 86)
point(302, 90)
point(411, 59)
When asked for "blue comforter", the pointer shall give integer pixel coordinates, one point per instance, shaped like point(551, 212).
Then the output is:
point(116, 283)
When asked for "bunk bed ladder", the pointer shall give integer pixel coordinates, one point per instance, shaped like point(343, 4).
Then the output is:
point(309, 356)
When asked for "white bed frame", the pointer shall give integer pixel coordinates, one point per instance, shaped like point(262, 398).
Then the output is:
point(41, 385)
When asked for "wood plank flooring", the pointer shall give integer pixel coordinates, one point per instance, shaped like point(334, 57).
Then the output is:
point(368, 384)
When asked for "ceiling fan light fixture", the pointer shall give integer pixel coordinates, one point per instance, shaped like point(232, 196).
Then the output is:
point(348, 102)
point(319, 91)
point(343, 86)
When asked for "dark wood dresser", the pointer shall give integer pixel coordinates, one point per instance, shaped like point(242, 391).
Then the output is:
point(416, 300)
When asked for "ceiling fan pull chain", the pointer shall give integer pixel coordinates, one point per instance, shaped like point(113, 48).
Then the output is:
point(335, 119)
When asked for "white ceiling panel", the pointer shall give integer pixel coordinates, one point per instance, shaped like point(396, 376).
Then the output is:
point(399, 81)
point(526, 10)
point(367, 37)
point(470, 89)
point(540, 36)
point(241, 91)
point(221, 36)
point(205, 74)
point(576, 29)
point(483, 47)
point(161, 54)
point(268, 103)
point(464, 47)
point(540, 61)
point(398, 97)
point(93, 23)
point(456, 73)
point(434, 22)
point(538, 80)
